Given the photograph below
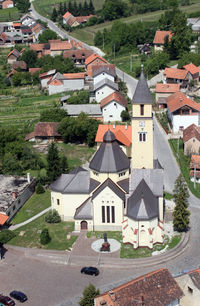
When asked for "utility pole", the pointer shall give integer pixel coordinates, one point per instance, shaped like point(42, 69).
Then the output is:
point(194, 175)
point(114, 52)
point(131, 63)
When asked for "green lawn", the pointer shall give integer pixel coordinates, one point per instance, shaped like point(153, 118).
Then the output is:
point(29, 235)
point(184, 163)
point(10, 14)
point(168, 196)
point(36, 204)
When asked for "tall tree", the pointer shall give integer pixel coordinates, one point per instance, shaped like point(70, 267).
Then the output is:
point(30, 58)
point(91, 7)
point(89, 294)
point(60, 11)
point(80, 9)
point(85, 8)
point(181, 213)
point(65, 7)
point(75, 9)
point(47, 35)
point(54, 15)
point(53, 163)
point(64, 164)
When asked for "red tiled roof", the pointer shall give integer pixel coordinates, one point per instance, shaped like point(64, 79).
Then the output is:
point(195, 159)
point(77, 54)
point(37, 28)
point(16, 24)
point(34, 70)
point(71, 20)
point(36, 47)
point(192, 131)
point(174, 73)
point(92, 57)
point(159, 37)
point(79, 75)
point(62, 45)
point(14, 52)
point(67, 14)
point(11, 73)
point(122, 133)
point(3, 219)
point(191, 68)
point(197, 173)
point(115, 96)
point(19, 64)
point(167, 88)
point(44, 129)
point(178, 100)
point(152, 289)
point(81, 19)
point(6, 3)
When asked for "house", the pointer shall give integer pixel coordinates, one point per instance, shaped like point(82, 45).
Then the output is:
point(58, 47)
point(27, 34)
point(154, 288)
point(194, 71)
point(191, 139)
point(101, 72)
point(92, 60)
point(117, 194)
point(160, 38)
point(7, 4)
point(72, 21)
point(92, 110)
point(37, 48)
point(112, 107)
point(102, 89)
point(177, 76)
point(182, 111)
point(37, 29)
point(45, 77)
point(44, 131)
point(27, 20)
point(19, 65)
point(78, 56)
point(65, 82)
point(163, 91)
point(145, 49)
point(195, 168)
point(13, 56)
point(123, 135)
point(14, 192)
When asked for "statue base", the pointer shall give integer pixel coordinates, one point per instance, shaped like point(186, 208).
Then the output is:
point(105, 247)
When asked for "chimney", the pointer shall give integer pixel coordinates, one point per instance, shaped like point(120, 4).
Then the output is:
point(113, 125)
point(112, 295)
point(126, 126)
point(28, 178)
point(14, 195)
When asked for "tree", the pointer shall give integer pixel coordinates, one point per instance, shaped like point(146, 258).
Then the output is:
point(17, 79)
point(45, 237)
point(64, 164)
point(89, 294)
point(125, 115)
point(6, 235)
point(30, 58)
point(91, 8)
point(23, 5)
point(54, 15)
point(52, 217)
point(39, 188)
point(85, 8)
point(53, 163)
point(181, 213)
point(53, 115)
point(47, 35)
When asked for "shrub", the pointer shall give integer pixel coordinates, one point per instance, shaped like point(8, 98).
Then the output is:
point(45, 237)
point(52, 217)
point(39, 188)
point(6, 235)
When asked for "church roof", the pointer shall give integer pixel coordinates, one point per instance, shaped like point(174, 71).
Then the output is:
point(109, 158)
point(109, 183)
point(77, 182)
point(142, 93)
point(124, 184)
point(142, 204)
point(84, 211)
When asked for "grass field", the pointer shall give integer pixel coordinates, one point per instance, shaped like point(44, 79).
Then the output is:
point(29, 235)
point(36, 204)
point(10, 14)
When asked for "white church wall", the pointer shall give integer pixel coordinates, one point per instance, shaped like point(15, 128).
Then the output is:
point(78, 225)
point(57, 203)
point(160, 203)
point(115, 177)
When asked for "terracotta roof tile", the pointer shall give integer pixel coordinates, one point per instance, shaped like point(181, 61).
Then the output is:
point(71, 20)
point(79, 75)
point(195, 159)
point(36, 47)
point(174, 73)
point(191, 131)
point(44, 129)
point(16, 24)
point(34, 70)
point(167, 88)
point(14, 52)
point(67, 14)
point(91, 58)
point(6, 3)
point(19, 64)
point(63, 45)
point(115, 96)
point(77, 54)
point(159, 37)
point(3, 219)
point(81, 19)
point(122, 133)
point(191, 68)
point(178, 100)
point(155, 288)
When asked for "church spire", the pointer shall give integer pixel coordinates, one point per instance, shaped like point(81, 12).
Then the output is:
point(142, 93)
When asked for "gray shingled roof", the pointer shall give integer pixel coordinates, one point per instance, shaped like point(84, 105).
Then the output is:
point(76, 109)
point(142, 204)
point(106, 82)
point(84, 211)
point(109, 183)
point(124, 184)
point(142, 93)
point(153, 177)
point(109, 69)
point(109, 158)
point(77, 182)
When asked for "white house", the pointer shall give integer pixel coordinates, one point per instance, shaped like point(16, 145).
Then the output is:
point(45, 77)
point(102, 89)
point(182, 111)
point(112, 107)
point(101, 72)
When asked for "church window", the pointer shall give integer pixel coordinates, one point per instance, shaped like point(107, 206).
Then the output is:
point(108, 214)
point(142, 109)
point(142, 137)
point(95, 173)
point(122, 174)
point(103, 214)
point(113, 213)
point(58, 202)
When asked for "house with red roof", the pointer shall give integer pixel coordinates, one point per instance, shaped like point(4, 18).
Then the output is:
point(44, 131)
point(92, 60)
point(78, 56)
point(195, 168)
point(160, 38)
point(191, 139)
point(7, 4)
point(112, 107)
point(177, 76)
point(182, 111)
point(13, 56)
point(45, 77)
point(163, 91)
point(193, 70)
point(72, 21)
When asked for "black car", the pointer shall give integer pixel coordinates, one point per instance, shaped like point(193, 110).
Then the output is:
point(90, 271)
point(18, 295)
point(6, 300)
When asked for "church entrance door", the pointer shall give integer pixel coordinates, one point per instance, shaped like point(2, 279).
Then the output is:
point(84, 225)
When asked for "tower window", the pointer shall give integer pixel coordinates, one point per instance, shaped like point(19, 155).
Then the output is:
point(103, 214)
point(142, 137)
point(113, 214)
point(108, 214)
point(142, 110)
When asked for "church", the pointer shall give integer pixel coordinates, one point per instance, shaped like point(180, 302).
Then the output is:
point(118, 193)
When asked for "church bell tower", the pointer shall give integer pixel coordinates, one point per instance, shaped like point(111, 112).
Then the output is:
point(142, 126)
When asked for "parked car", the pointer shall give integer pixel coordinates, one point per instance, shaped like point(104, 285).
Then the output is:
point(90, 271)
point(18, 295)
point(6, 300)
